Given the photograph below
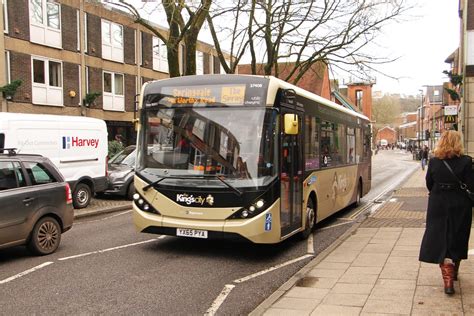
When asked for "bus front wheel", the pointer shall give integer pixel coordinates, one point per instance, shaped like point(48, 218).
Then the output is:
point(310, 219)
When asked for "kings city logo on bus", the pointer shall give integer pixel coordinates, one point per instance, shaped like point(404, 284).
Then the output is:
point(191, 199)
point(74, 141)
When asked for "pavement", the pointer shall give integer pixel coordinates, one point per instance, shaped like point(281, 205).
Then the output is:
point(373, 269)
point(103, 205)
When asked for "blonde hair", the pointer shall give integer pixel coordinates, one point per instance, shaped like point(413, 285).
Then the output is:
point(449, 145)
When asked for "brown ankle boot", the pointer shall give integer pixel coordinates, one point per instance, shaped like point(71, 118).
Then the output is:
point(447, 271)
point(456, 269)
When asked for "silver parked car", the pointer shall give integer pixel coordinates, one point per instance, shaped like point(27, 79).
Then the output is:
point(35, 203)
point(121, 171)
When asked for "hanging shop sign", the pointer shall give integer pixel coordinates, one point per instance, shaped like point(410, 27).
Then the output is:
point(450, 118)
point(451, 110)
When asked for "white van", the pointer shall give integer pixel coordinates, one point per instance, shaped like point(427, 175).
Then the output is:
point(76, 145)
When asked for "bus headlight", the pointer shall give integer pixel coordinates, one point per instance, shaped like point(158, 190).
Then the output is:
point(249, 212)
point(143, 204)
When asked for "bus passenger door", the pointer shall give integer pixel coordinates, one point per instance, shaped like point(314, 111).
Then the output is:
point(291, 180)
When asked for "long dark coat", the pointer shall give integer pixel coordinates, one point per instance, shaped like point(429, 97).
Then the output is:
point(449, 214)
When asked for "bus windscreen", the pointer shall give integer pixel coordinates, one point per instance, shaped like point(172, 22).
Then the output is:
point(237, 143)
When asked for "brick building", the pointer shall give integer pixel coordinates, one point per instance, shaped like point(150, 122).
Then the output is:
point(65, 49)
point(429, 122)
point(360, 94)
point(387, 133)
point(465, 67)
point(315, 80)
point(407, 131)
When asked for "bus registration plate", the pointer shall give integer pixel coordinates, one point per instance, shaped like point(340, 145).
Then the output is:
point(194, 233)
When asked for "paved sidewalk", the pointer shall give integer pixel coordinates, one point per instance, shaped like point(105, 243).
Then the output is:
point(102, 206)
point(375, 269)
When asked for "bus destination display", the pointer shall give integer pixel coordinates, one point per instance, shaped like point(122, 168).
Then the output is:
point(205, 95)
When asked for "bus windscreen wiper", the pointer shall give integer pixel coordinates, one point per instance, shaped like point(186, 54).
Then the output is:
point(146, 187)
point(220, 178)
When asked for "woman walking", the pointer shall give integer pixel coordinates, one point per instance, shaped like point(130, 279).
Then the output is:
point(449, 214)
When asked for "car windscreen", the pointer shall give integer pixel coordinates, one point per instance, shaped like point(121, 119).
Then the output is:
point(124, 157)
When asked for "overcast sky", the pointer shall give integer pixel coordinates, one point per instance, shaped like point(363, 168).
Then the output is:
point(423, 45)
point(423, 41)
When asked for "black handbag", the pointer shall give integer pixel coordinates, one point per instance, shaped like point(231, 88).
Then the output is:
point(462, 185)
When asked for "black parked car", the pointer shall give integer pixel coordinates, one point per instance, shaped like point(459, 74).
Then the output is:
point(120, 173)
point(35, 203)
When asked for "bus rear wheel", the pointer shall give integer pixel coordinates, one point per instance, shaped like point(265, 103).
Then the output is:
point(310, 219)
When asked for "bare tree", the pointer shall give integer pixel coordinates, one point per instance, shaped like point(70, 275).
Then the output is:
point(341, 33)
point(185, 22)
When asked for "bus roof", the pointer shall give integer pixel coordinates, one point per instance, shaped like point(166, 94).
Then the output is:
point(273, 86)
point(276, 83)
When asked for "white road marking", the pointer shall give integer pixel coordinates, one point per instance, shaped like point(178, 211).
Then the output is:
point(219, 300)
point(374, 208)
point(310, 244)
point(335, 225)
point(111, 249)
point(384, 191)
point(257, 274)
point(103, 219)
point(19, 275)
point(228, 287)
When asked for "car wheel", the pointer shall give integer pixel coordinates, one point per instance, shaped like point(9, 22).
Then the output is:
point(130, 191)
point(310, 219)
point(45, 237)
point(82, 196)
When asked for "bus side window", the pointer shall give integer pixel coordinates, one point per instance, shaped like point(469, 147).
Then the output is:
point(359, 145)
point(311, 142)
point(367, 151)
point(350, 145)
point(327, 144)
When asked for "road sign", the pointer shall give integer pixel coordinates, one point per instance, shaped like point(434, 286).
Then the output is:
point(450, 118)
point(450, 110)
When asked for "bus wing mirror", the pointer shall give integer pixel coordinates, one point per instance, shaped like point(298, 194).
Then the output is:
point(291, 124)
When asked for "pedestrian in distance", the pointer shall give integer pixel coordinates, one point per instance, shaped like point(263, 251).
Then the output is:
point(424, 157)
point(449, 213)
